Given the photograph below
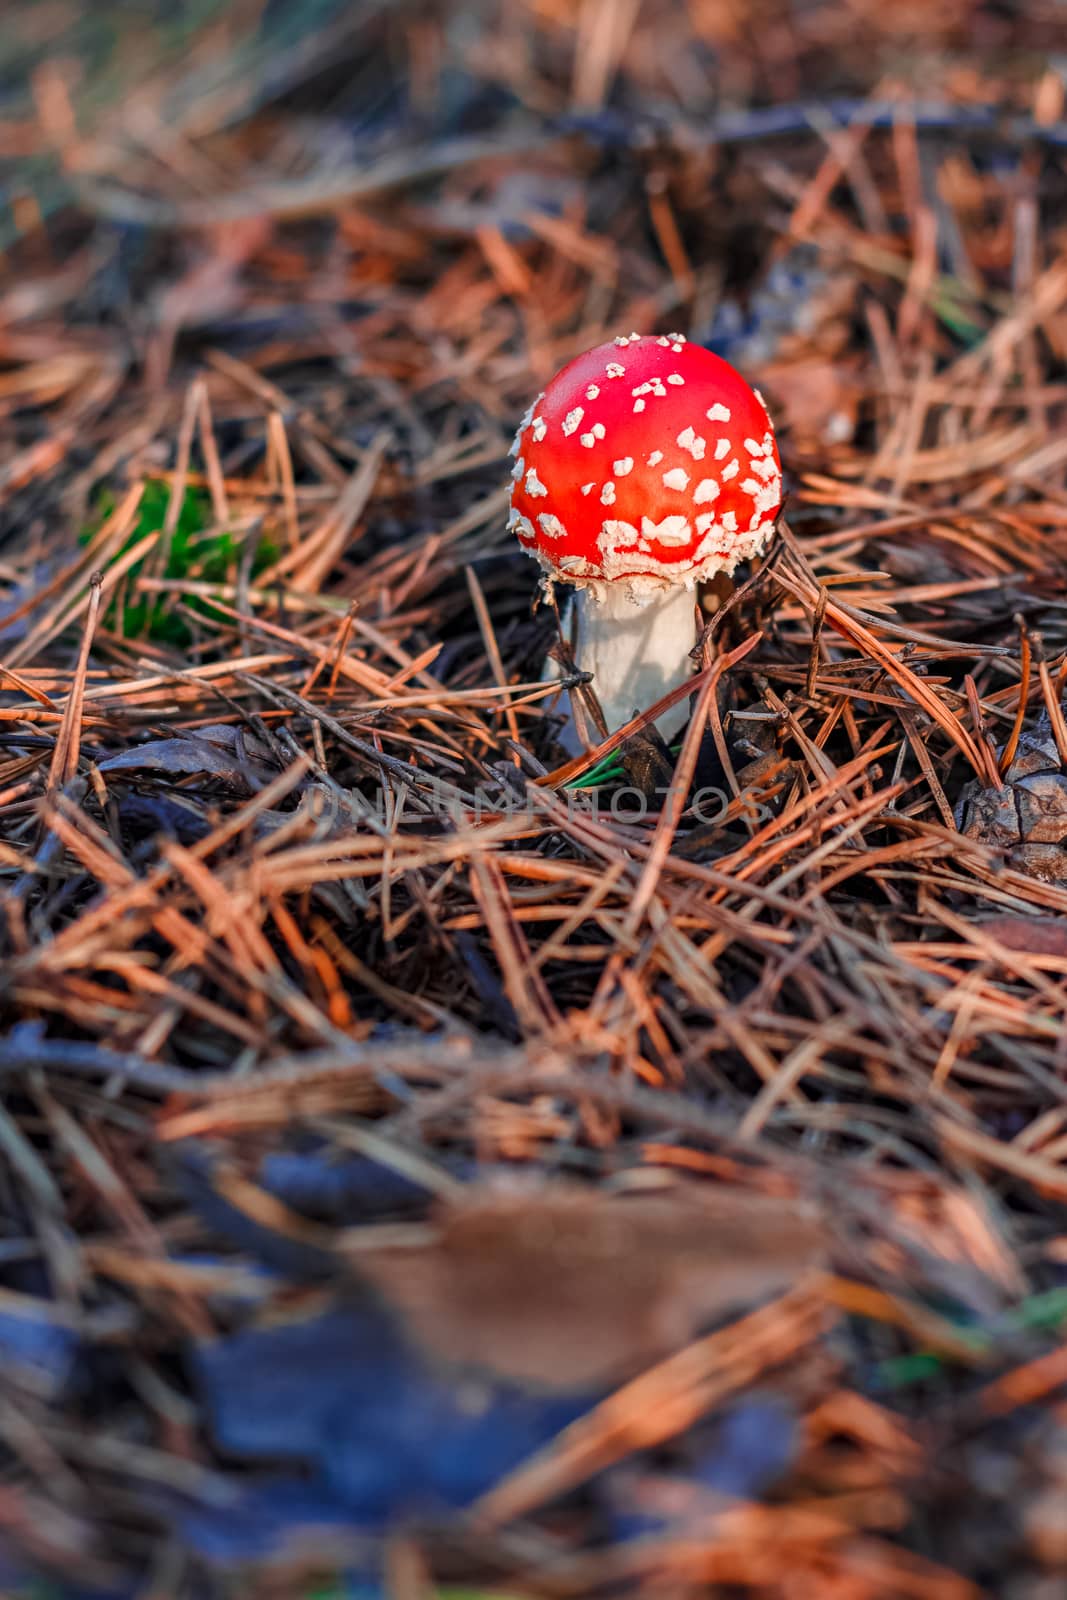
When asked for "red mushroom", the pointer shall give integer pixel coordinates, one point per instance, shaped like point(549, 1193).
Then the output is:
point(645, 466)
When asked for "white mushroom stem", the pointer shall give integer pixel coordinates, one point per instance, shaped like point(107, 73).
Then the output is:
point(636, 645)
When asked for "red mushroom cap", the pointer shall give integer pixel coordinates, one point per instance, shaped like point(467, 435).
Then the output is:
point(649, 460)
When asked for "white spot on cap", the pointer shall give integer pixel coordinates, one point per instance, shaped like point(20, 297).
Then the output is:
point(663, 340)
point(693, 443)
point(677, 349)
point(621, 339)
point(639, 405)
point(635, 336)
point(525, 423)
point(675, 378)
point(613, 370)
point(676, 478)
point(722, 449)
point(655, 458)
point(598, 430)
point(760, 398)
point(518, 469)
point(765, 468)
point(750, 486)
point(588, 439)
point(587, 488)
point(551, 526)
point(676, 338)
point(522, 527)
point(572, 419)
point(607, 494)
point(729, 521)
point(534, 486)
point(705, 521)
point(613, 534)
point(731, 471)
point(718, 412)
point(540, 428)
point(706, 491)
point(671, 530)
point(592, 391)
point(753, 447)
point(624, 465)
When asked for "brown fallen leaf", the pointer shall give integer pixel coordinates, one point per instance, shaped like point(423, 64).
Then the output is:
point(1038, 936)
point(817, 398)
point(566, 1287)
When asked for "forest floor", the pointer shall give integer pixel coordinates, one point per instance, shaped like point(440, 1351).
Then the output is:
point(429, 1165)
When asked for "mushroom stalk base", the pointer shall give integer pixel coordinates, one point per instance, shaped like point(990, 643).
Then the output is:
point(637, 648)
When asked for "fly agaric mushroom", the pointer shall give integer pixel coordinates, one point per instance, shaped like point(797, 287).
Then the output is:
point(645, 466)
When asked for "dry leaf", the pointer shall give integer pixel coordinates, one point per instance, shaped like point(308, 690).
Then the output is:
point(567, 1287)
